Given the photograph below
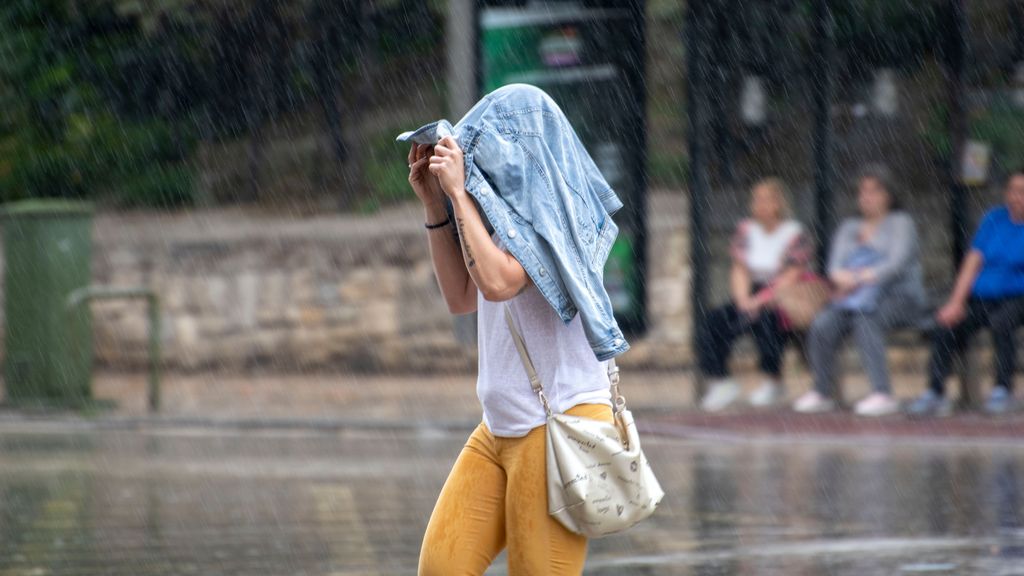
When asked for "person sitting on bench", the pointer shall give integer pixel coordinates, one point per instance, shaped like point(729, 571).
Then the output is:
point(875, 268)
point(769, 250)
point(989, 292)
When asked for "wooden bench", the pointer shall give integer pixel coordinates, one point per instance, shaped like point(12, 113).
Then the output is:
point(965, 365)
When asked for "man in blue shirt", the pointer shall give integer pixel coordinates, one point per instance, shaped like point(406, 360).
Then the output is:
point(989, 292)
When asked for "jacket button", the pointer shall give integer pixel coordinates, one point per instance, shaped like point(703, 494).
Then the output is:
point(543, 272)
point(617, 341)
point(511, 232)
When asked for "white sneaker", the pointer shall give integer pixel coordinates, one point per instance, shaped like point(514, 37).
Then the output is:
point(769, 393)
point(720, 395)
point(877, 404)
point(813, 403)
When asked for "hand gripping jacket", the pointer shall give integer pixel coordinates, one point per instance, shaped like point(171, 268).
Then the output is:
point(530, 174)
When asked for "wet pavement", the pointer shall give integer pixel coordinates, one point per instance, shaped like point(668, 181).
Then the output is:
point(178, 500)
point(663, 399)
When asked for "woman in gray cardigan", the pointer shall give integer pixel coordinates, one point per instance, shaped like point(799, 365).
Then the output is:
point(875, 269)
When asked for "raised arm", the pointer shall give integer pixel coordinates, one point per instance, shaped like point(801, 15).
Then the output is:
point(495, 272)
point(452, 278)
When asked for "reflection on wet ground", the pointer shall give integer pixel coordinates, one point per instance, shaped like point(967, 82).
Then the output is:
point(279, 502)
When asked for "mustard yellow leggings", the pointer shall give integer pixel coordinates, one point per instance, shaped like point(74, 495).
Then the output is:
point(496, 496)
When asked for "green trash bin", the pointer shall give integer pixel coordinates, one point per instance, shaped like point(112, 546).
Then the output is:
point(48, 254)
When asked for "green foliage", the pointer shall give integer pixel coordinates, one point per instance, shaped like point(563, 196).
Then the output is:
point(999, 124)
point(158, 185)
point(1002, 126)
point(386, 173)
point(62, 135)
point(876, 33)
point(668, 169)
point(107, 99)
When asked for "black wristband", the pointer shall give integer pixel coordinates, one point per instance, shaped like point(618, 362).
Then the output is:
point(439, 224)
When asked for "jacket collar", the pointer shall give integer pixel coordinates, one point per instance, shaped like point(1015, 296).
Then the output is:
point(428, 133)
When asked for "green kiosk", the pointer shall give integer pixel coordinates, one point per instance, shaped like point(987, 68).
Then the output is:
point(588, 55)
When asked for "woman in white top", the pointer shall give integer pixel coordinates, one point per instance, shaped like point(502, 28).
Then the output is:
point(496, 494)
point(768, 250)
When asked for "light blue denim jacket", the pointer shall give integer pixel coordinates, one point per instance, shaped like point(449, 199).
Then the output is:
point(535, 182)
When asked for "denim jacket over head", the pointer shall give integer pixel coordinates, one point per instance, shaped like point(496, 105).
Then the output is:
point(539, 188)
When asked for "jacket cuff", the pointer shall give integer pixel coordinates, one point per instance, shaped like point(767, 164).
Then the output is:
point(612, 202)
point(611, 348)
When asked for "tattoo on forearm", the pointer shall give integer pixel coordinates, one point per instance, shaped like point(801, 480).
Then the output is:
point(470, 261)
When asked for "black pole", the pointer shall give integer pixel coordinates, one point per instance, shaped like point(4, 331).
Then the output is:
point(694, 38)
point(1016, 9)
point(723, 81)
point(956, 55)
point(478, 73)
point(822, 71)
point(636, 72)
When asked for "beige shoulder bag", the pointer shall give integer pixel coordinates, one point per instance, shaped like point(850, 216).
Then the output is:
point(599, 481)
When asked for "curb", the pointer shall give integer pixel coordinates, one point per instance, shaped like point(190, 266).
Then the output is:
point(51, 423)
point(805, 430)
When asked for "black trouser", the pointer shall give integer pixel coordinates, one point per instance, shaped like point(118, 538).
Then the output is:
point(727, 323)
point(1001, 316)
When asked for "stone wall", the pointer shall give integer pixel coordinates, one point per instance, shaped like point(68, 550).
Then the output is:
point(353, 293)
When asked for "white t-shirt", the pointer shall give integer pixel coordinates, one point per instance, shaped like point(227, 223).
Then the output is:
point(565, 363)
point(765, 253)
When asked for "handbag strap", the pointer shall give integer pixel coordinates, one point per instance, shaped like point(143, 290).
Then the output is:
point(618, 400)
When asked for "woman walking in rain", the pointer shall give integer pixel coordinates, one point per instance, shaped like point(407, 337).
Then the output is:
point(495, 496)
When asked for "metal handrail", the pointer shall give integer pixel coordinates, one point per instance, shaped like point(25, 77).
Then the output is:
point(96, 291)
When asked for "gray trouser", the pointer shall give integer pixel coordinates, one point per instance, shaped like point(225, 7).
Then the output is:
point(832, 325)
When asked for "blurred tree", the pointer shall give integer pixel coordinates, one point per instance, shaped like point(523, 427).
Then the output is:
point(111, 98)
point(332, 28)
point(84, 117)
point(873, 34)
